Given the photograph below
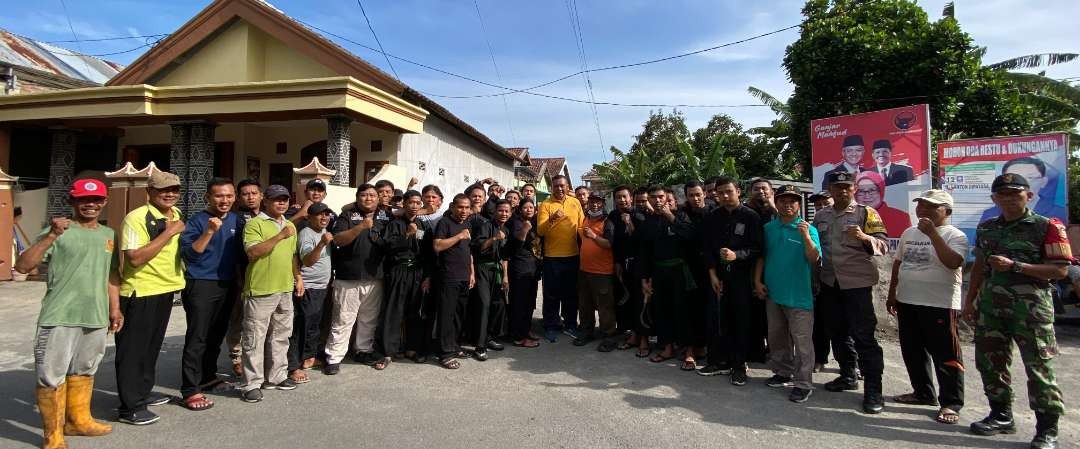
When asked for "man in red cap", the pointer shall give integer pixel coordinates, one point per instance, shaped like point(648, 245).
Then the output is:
point(81, 306)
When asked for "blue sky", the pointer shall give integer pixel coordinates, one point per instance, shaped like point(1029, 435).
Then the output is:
point(533, 43)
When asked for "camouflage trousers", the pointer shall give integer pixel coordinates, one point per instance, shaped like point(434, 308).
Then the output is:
point(1021, 318)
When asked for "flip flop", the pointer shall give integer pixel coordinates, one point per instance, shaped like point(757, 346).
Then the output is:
point(660, 358)
point(381, 364)
point(643, 352)
point(526, 343)
point(197, 402)
point(688, 365)
point(947, 416)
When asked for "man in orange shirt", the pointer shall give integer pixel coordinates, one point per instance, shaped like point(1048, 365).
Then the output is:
point(596, 278)
point(558, 220)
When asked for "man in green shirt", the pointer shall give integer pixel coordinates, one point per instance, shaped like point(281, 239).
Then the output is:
point(80, 307)
point(152, 274)
point(273, 272)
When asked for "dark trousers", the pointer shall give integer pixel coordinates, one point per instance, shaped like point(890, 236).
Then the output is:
point(560, 291)
point(628, 312)
point(851, 322)
point(453, 296)
point(307, 316)
point(137, 347)
point(401, 304)
point(737, 304)
point(714, 336)
point(207, 306)
point(522, 303)
point(821, 337)
point(929, 334)
point(669, 304)
point(486, 311)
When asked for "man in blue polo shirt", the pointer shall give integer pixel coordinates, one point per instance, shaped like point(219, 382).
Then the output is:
point(211, 246)
point(790, 251)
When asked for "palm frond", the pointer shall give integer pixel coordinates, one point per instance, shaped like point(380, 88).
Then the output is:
point(1030, 82)
point(1035, 60)
point(949, 10)
point(780, 108)
point(1050, 104)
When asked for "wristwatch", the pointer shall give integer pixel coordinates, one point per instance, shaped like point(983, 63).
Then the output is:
point(1017, 267)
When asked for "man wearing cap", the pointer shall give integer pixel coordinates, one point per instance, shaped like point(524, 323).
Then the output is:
point(852, 151)
point(212, 248)
point(358, 286)
point(80, 307)
point(924, 295)
point(790, 250)
point(890, 172)
point(273, 274)
point(821, 200)
point(314, 192)
point(152, 274)
point(596, 280)
point(1009, 300)
point(315, 242)
point(851, 236)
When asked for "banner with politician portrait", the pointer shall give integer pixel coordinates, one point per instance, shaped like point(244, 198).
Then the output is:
point(887, 151)
point(969, 166)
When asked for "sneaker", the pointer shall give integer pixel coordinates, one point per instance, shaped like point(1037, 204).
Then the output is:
point(139, 418)
point(778, 381)
point(332, 369)
point(365, 358)
point(572, 333)
point(738, 377)
point(799, 395)
point(155, 398)
point(494, 345)
point(287, 384)
point(552, 335)
point(714, 370)
point(842, 384)
point(251, 396)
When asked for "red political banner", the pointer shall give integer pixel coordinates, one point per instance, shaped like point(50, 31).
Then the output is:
point(887, 151)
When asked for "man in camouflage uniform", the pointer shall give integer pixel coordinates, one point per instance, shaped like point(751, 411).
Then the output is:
point(1015, 256)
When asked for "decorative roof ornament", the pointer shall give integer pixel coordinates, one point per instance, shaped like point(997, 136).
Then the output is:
point(315, 168)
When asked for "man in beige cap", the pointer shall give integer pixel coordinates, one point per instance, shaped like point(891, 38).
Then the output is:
point(924, 295)
point(152, 274)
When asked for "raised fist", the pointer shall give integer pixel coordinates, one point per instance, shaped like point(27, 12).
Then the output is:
point(327, 238)
point(287, 231)
point(500, 235)
point(465, 234)
point(213, 224)
point(59, 225)
point(174, 227)
point(411, 230)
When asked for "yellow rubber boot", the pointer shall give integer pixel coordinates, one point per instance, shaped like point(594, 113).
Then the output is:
point(51, 403)
point(79, 420)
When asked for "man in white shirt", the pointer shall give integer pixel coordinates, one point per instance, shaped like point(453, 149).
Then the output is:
point(924, 295)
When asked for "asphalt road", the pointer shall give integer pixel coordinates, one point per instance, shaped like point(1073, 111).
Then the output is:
point(554, 396)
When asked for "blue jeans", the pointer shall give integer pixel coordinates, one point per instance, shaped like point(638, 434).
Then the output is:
point(560, 289)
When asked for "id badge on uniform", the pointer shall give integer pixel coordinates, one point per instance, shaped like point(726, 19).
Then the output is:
point(740, 229)
point(419, 234)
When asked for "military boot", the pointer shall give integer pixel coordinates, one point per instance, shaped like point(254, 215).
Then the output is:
point(1000, 420)
point(1046, 431)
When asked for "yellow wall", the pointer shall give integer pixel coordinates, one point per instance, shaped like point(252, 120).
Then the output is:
point(241, 53)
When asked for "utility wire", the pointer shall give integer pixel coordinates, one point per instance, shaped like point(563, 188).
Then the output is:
point(575, 27)
point(73, 34)
point(498, 76)
point(118, 38)
point(377, 41)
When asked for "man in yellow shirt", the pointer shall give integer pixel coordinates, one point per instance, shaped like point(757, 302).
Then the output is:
point(152, 274)
point(558, 219)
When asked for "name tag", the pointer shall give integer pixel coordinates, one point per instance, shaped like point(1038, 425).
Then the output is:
point(356, 216)
point(740, 229)
point(419, 234)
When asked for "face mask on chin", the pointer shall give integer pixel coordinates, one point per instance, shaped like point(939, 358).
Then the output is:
point(589, 213)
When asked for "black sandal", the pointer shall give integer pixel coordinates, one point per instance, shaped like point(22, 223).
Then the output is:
point(381, 364)
point(449, 363)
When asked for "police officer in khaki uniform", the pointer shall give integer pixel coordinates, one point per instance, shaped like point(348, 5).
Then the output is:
point(851, 236)
point(1016, 255)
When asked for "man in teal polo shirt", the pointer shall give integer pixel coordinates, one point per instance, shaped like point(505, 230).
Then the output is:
point(791, 250)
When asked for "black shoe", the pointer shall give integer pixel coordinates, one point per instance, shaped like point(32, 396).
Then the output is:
point(251, 396)
point(332, 369)
point(873, 404)
point(998, 421)
point(738, 377)
point(1046, 431)
point(155, 398)
point(494, 345)
point(799, 395)
point(842, 384)
point(139, 418)
point(778, 381)
point(287, 384)
point(582, 340)
point(365, 358)
point(714, 370)
point(480, 354)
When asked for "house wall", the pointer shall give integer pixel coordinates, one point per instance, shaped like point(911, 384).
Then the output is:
point(464, 160)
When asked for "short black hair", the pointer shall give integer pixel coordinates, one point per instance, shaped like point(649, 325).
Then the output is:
point(469, 190)
point(528, 184)
point(641, 191)
point(712, 180)
point(725, 180)
point(558, 177)
point(501, 202)
point(432, 188)
point(248, 182)
point(515, 192)
point(757, 180)
point(691, 184)
point(654, 188)
point(384, 183)
point(1038, 163)
point(621, 188)
point(459, 197)
point(364, 188)
point(580, 187)
point(410, 194)
point(669, 190)
point(217, 181)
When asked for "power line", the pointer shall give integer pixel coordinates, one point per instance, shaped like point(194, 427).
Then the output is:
point(498, 76)
point(118, 38)
point(575, 27)
point(377, 41)
point(73, 34)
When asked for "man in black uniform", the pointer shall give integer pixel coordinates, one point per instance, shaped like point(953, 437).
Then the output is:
point(665, 276)
point(732, 246)
point(454, 271)
point(486, 319)
point(407, 241)
point(696, 210)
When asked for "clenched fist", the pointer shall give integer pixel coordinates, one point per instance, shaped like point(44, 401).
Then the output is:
point(411, 231)
point(465, 234)
point(286, 232)
point(174, 227)
point(59, 225)
point(327, 238)
point(213, 224)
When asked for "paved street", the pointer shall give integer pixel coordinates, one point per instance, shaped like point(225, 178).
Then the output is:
point(555, 396)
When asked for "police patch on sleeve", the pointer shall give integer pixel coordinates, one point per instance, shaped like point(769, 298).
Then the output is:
point(1056, 245)
point(873, 224)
